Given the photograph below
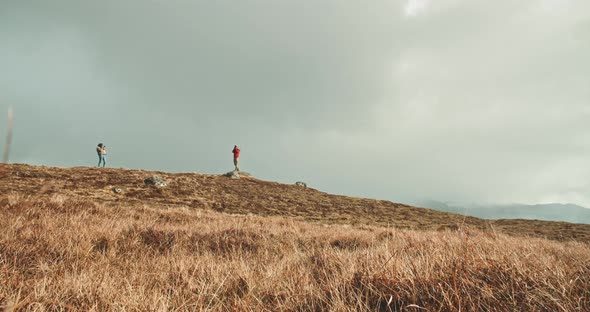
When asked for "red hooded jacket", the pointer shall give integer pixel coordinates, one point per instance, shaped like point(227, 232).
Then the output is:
point(236, 152)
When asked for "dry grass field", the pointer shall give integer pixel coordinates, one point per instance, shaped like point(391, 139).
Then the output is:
point(68, 242)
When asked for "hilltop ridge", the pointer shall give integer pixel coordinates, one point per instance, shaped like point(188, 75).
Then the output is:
point(249, 195)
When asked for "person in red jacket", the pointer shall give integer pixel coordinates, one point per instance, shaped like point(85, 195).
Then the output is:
point(236, 152)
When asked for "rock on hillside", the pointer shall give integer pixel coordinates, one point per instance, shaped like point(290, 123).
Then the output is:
point(155, 180)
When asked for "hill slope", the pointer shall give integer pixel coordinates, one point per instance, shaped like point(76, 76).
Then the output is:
point(253, 196)
point(68, 242)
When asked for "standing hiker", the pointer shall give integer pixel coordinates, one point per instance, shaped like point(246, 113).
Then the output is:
point(236, 152)
point(101, 150)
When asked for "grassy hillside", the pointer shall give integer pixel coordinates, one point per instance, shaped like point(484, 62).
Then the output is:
point(253, 196)
point(68, 242)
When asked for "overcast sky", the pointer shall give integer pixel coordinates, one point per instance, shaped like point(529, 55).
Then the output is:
point(455, 100)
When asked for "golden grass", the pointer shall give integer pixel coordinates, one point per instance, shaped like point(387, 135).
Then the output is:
point(253, 196)
point(62, 253)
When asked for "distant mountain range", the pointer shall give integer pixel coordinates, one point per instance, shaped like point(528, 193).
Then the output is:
point(548, 212)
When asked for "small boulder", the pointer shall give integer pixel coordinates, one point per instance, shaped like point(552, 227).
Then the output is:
point(301, 184)
point(232, 174)
point(155, 180)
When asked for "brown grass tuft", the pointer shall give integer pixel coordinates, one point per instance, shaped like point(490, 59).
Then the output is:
point(100, 245)
point(161, 241)
point(227, 242)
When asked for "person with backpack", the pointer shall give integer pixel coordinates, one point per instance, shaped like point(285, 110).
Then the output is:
point(101, 150)
point(236, 152)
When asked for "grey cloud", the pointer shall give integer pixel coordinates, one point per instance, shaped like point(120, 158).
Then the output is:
point(304, 63)
point(464, 101)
